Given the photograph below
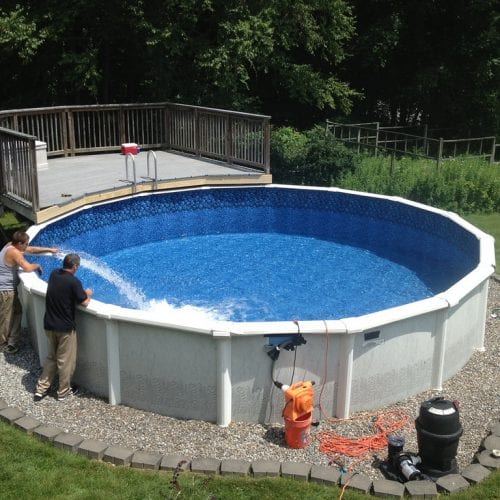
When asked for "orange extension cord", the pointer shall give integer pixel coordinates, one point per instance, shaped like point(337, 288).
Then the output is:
point(335, 445)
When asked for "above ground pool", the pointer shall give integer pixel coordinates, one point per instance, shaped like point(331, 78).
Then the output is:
point(193, 288)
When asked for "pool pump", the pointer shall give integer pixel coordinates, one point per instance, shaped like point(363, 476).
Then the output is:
point(438, 432)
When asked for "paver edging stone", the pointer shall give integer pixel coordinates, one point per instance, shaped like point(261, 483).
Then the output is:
point(146, 460)
point(68, 441)
point(47, 432)
point(175, 462)
point(10, 414)
point(27, 424)
point(92, 448)
point(235, 467)
point(452, 483)
point(118, 455)
point(205, 465)
point(266, 468)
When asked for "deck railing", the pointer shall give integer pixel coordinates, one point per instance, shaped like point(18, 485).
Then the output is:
point(18, 177)
point(228, 136)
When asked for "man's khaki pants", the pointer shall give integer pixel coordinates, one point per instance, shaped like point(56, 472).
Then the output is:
point(61, 359)
point(11, 314)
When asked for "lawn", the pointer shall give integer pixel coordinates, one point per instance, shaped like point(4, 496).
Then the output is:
point(30, 469)
point(489, 223)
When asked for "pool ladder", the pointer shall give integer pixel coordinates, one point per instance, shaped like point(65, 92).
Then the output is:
point(127, 180)
point(148, 177)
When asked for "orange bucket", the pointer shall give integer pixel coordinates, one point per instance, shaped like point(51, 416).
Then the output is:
point(298, 432)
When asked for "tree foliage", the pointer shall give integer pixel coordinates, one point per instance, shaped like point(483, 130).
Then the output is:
point(397, 61)
point(433, 62)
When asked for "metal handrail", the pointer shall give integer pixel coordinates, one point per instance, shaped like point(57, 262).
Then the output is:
point(155, 179)
point(134, 183)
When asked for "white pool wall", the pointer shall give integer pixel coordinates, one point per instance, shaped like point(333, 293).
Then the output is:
point(220, 372)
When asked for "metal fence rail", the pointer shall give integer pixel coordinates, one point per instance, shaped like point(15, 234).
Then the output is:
point(388, 139)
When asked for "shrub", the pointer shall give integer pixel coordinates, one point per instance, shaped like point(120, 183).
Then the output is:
point(311, 157)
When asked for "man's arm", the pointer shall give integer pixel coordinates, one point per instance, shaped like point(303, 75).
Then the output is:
point(34, 249)
point(16, 257)
point(85, 303)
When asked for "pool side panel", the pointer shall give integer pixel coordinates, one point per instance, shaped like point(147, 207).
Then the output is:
point(255, 398)
point(466, 330)
point(92, 362)
point(168, 371)
point(399, 365)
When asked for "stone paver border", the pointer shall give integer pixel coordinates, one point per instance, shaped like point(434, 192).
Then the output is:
point(485, 462)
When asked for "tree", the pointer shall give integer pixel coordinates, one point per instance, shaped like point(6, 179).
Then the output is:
point(281, 57)
point(427, 62)
point(20, 40)
point(276, 57)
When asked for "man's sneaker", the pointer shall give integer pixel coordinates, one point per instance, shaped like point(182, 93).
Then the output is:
point(11, 349)
point(38, 396)
point(71, 392)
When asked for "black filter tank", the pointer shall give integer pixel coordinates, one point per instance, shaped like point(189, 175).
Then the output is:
point(438, 432)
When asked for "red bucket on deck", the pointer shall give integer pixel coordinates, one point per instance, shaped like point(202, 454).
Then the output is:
point(298, 432)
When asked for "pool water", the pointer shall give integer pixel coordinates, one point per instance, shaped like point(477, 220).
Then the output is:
point(260, 254)
point(251, 277)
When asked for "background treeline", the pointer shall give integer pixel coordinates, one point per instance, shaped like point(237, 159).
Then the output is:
point(401, 62)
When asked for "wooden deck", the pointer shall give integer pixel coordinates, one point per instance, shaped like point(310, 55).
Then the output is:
point(71, 182)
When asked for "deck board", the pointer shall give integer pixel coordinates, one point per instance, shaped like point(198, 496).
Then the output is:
point(69, 182)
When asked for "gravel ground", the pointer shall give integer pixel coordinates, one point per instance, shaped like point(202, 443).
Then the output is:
point(476, 387)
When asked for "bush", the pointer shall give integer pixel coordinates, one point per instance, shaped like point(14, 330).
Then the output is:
point(309, 158)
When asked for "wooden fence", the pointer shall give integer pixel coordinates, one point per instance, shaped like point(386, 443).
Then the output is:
point(391, 140)
point(228, 136)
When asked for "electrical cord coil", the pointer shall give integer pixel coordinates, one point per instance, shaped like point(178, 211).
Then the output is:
point(334, 444)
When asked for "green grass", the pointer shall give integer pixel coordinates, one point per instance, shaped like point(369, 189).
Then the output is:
point(489, 223)
point(30, 469)
point(9, 223)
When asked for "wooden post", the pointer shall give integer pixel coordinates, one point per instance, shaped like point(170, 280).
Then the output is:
point(35, 203)
point(196, 125)
point(64, 131)
point(121, 125)
point(166, 117)
point(267, 145)
point(440, 152)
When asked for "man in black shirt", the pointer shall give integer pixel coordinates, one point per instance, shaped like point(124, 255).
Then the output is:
point(64, 292)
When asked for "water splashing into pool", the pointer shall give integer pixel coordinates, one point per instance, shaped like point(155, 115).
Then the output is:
point(94, 272)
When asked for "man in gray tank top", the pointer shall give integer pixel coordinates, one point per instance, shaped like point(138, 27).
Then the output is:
point(11, 259)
